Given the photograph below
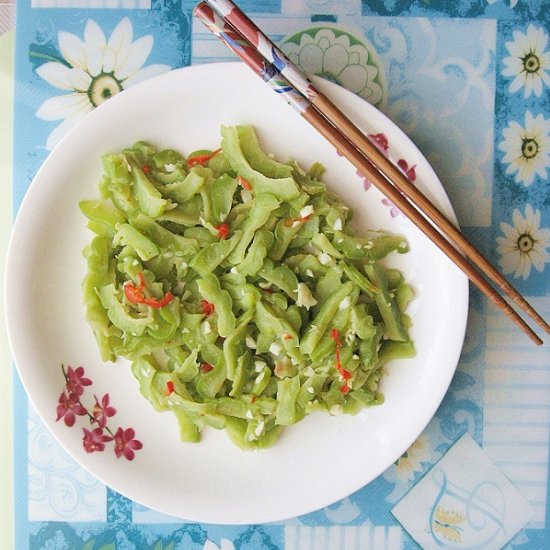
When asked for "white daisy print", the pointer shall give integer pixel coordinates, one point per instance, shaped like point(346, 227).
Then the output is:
point(529, 61)
point(524, 244)
point(527, 148)
point(91, 71)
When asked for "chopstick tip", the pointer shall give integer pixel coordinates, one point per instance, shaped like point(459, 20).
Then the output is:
point(538, 341)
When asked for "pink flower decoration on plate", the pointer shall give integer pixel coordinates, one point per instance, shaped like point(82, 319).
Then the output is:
point(68, 408)
point(366, 181)
point(95, 440)
point(394, 211)
point(125, 444)
point(410, 172)
point(103, 410)
point(76, 380)
point(381, 141)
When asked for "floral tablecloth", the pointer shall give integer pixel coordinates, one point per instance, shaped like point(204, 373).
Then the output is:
point(469, 82)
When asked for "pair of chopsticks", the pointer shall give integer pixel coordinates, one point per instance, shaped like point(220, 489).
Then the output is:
point(248, 42)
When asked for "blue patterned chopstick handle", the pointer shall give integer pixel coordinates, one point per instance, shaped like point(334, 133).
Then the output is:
point(232, 14)
point(267, 71)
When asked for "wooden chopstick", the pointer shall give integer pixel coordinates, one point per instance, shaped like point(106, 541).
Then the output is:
point(392, 173)
point(316, 115)
point(271, 52)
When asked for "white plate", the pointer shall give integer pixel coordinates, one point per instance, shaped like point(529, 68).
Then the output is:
point(316, 462)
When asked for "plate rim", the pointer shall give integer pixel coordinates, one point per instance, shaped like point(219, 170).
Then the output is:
point(12, 252)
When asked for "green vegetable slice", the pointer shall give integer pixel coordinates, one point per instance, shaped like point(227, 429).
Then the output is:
point(257, 303)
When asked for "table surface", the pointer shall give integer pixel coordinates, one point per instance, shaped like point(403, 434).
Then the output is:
point(469, 82)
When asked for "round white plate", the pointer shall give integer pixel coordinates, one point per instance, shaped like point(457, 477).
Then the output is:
point(318, 461)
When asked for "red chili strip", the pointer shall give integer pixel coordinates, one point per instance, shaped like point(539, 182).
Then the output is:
point(201, 159)
point(154, 302)
point(223, 230)
point(135, 295)
point(345, 374)
point(245, 183)
point(301, 219)
point(146, 169)
point(206, 367)
point(169, 387)
point(207, 307)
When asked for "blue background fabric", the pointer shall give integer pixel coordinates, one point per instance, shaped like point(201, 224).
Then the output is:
point(443, 79)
